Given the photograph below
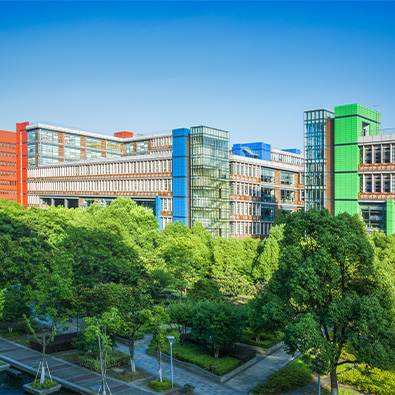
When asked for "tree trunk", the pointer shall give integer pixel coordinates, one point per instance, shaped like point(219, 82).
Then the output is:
point(216, 352)
point(42, 378)
point(160, 361)
point(334, 386)
point(258, 337)
point(131, 352)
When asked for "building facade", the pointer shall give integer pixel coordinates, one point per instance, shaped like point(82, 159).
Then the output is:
point(186, 174)
point(8, 165)
point(359, 167)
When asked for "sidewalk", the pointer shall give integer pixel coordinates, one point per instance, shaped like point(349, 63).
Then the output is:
point(71, 376)
point(243, 383)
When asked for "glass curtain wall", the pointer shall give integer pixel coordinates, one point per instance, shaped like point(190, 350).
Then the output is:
point(315, 138)
point(210, 179)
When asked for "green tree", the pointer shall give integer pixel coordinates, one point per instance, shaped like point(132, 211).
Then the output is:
point(1, 302)
point(233, 265)
point(326, 293)
point(217, 325)
point(205, 289)
point(96, 329)
point(181, 314)
point(158, 319)
point(268, 253)
point(133, 304)
point(15, 307)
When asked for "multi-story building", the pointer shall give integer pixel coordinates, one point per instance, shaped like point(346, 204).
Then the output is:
point(186, 174)
point(263, 183)
point(359, 166)
point(8, 165)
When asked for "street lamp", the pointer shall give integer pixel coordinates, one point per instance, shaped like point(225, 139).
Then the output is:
point(171, 340)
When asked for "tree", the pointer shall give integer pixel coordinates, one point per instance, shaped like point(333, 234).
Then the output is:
point(1, 302)
point(158, 319)
point(15, 307)
point(96, 328)
point(182, 315)
point(133, 305)
point(205, 289)
point(327, 292)
point(217, 325)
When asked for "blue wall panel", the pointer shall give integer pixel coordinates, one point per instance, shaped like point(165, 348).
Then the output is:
point(180, 175)
point(253, 150)
point(158, 209)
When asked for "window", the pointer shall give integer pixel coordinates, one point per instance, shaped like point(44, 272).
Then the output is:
point(377, 154)
point(368, 155)
point(268, 195)
point(287, 197)
point(267, 175)
point(287, 178)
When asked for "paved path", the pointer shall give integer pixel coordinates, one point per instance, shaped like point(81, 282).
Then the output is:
point(258, 373)
point(70, 376)
point(203, 386)
point(243, 383)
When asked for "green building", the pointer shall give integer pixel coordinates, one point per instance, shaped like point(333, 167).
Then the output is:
point(358, 171)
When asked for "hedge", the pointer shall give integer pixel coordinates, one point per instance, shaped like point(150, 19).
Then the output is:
point(158, 386)
point(114, 358)
point(63, 342)
point(293, 376)
point(198, 355)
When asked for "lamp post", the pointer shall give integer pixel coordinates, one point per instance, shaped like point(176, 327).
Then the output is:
point(171, 340)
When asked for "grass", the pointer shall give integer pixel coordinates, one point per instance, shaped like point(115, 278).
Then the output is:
point(267, 339)
point(71, 357)
point(293, 376)
point(129, 376)
point(23, 342)
point(326, 390)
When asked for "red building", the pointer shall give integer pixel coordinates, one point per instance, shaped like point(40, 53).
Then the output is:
point(8, 165)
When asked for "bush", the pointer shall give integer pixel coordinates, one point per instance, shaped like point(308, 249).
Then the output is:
point(266, 339)
point(63, 342)
point(376, 381)
point(158, 386)
point(48, 383)
point(293, 376)
point(205, 289)
point(12, 334)
point(114, 358)
point(198, 355)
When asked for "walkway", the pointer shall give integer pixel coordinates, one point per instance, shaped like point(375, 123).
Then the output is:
point(70, 376)
point(243, 383)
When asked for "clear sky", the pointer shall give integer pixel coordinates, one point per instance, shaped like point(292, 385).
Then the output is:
point(248, 67)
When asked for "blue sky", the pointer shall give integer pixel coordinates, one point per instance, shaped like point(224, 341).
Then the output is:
point(248, 67)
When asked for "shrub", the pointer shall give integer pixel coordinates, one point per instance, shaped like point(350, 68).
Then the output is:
point(158, 386)
point(376, 381)
point(293, 376)
point(114, 358)
point(63, 342)
point(12, 334)
point(266, 339)
point(48, 383)
point(198, 355)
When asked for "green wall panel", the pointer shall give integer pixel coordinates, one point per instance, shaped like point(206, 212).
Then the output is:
point(349, 207)
point(390, 217)
point(346, 158)
point(346, 186)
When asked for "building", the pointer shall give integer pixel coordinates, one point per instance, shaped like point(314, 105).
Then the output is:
point(8, 165)
point(186, 174)
point(350, 165)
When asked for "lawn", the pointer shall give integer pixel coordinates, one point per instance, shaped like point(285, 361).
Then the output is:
point(326, 390)
point(267, 339)
point(129, 376)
